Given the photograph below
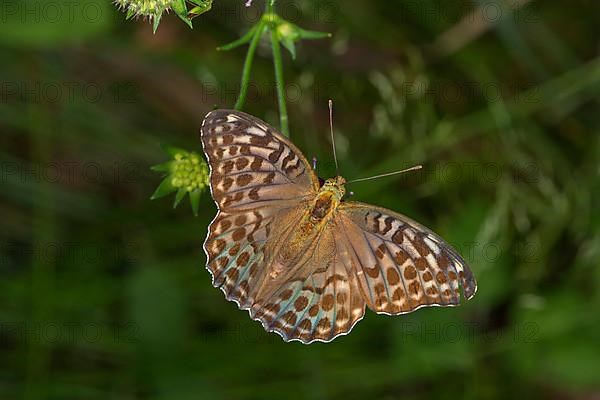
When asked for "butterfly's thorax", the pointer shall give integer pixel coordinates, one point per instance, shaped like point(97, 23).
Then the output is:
point(324, 205)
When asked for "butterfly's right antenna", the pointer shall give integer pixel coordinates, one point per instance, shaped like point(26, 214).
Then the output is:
point(337, 169)
point(416, 167)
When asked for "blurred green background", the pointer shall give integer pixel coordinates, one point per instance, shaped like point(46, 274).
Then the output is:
point(104, 295)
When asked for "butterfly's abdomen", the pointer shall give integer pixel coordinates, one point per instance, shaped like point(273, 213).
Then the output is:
point(314, 219)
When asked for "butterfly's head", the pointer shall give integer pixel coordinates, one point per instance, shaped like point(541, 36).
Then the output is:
point(336, 186)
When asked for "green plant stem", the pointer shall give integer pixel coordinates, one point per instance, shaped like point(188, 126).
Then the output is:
point(248, 65)
point(269, 4)
point(266, 21)
point(279, 82)
point(278, 66)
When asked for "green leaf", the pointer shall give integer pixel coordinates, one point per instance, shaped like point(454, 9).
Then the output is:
point(156, 22)
point(311, 35)
point(164, 167)
point(288, 34)
point(179, 196)
point(243, 40)
point(185, 19)
point(202, 3)
point(290, 46)
point(195, 201)
point(165, 188)
point(201, 7)
point(180, 9)
point(130, 14)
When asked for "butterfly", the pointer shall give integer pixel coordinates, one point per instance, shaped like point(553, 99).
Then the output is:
point(300, 258)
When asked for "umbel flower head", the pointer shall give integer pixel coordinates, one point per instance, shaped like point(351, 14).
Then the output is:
point(154, 9)
point(186, 173)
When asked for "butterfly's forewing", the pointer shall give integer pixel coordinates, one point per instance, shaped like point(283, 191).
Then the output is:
point(321, 302)
point(251, 164)
point(401, 265)
point(256, 178)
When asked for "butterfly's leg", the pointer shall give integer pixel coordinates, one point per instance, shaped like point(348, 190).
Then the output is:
point(314, 163)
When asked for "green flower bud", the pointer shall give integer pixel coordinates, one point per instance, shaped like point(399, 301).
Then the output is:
point(152, 9)
point(186, 173)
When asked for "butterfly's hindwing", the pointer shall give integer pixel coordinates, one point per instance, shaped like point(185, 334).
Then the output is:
point(318, 306)
point(401, 265)
point(235, 249)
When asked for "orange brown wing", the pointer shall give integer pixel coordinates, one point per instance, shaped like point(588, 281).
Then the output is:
point(401, 265)
point(256, 178)
point(319, 304)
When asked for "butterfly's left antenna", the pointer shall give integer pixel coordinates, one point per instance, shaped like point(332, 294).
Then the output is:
point(337, 169)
